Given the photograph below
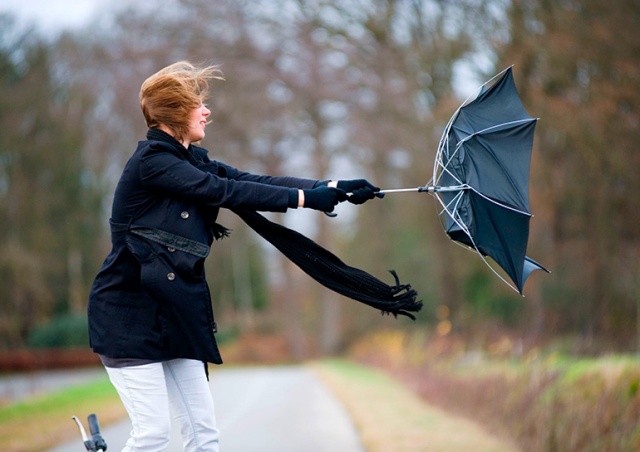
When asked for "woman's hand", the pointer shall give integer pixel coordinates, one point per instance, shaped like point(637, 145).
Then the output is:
point(361, 190)
point(322, 198)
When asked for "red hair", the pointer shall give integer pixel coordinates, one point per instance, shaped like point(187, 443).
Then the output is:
point(168, 96)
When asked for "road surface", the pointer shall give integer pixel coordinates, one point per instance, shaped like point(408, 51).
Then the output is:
point(264, 409)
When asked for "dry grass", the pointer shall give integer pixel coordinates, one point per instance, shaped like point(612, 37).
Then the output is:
point(41, 423)
point(392, 418)
point(542, 400)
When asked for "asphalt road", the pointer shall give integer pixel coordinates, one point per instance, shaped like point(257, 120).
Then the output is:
point(264, 409)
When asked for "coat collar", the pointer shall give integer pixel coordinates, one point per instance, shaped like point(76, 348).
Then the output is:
point(194, 154)
point(160, 135)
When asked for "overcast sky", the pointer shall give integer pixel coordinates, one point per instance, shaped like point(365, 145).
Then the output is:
point(53, 15)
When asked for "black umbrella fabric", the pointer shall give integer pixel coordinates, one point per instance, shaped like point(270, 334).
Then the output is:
point(485, 152)
point(481, 177)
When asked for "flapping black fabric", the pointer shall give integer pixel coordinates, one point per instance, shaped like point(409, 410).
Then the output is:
point(317, 262)
point(327, 269)
point(487, 155)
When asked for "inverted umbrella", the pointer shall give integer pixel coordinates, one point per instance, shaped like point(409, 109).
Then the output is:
point(481, 177)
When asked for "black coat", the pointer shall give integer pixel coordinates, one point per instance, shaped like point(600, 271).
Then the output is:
point(150, 299)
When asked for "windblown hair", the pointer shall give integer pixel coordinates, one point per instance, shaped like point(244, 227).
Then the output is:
point(168, 96)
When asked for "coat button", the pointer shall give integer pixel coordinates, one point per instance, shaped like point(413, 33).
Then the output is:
point(184, 215)
point(171, 276)
point(171, 249)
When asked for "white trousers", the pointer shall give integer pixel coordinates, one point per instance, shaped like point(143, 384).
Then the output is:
point(152, 393)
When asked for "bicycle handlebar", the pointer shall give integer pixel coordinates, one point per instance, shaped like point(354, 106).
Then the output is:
point(96, 443)
point(96, 437)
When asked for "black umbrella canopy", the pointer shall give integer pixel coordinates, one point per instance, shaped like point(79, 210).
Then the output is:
point(482, 177)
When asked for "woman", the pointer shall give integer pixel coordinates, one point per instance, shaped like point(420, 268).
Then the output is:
point(150, 313)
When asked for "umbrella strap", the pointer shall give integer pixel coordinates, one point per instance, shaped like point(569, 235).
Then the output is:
point(327, 269)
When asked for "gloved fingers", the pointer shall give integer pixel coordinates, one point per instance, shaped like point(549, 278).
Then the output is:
point(373, 187)
point(361, 195)
point(366, 184)
point(356, 184)
point(342, 195)
point(323, 198)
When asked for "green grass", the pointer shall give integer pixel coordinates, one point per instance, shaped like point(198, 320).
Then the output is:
point(58, 401)
point(41, 422)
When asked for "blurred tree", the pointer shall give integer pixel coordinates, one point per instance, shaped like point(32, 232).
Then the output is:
point(326, 89)
point(48, 206)
point(577, 67)
point(402, 60)
point(251, 128)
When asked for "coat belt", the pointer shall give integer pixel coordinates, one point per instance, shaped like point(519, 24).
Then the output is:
point(165, 238)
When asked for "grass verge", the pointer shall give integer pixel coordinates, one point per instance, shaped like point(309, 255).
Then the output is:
point(541, 399)
point(391, 417)
point(43, 422)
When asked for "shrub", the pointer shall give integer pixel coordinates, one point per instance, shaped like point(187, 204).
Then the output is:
point(67, 330)
point(541, 404)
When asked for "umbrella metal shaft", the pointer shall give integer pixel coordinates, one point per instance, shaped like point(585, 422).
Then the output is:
point(429, 189)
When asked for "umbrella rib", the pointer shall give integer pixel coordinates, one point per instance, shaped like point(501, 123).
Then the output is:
point(453, 176)
point(478, 90)
point(496, 126)
point(452, 212)
point(505, 206)
point(446, 166)
point(502, 124)
point(444, 140)
point(494, 270)
point(465, 229)
point(475, 250)
point(445, 169)
point(486, 130)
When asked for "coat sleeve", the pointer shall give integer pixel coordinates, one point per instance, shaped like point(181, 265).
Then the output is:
point(281, 181)
point(228, 171)
point(162, 169)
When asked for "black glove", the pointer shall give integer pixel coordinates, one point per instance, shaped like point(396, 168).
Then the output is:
point(323, 198)
point(361, 190)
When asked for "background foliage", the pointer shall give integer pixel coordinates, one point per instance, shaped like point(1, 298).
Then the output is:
point(357, 88)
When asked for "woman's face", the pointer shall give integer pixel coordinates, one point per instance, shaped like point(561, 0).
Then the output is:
point(197, 124)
